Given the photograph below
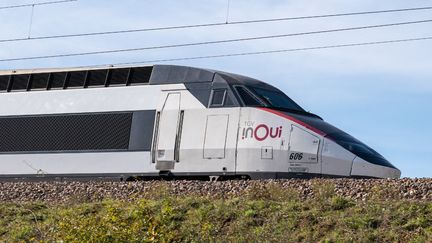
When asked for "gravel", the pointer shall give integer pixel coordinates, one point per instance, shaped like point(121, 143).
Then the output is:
point(356, 189)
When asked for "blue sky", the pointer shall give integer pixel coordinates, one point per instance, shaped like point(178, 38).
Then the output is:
point(380, 94)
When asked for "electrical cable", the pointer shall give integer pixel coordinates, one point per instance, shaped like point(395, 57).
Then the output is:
point(268, 51)
point(212, 42)
point(212, 24)
point(35, 4)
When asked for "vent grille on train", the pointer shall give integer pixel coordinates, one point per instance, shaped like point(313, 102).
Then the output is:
point(78, 132)
point(76, 79)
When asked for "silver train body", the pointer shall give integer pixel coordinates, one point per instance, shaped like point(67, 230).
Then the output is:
point(167, 120)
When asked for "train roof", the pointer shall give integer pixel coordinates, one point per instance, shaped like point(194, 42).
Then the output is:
point(37, 79)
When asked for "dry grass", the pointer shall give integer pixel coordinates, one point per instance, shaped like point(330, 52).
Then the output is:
point(265, 213)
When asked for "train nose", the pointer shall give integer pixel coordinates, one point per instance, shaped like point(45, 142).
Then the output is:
point(361, 167)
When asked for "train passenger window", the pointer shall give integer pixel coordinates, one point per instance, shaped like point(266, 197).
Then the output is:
point(140, 75)
point(19, 82)
point(77, 79)
point(247, 97)
point(57, 80)
point(96, 77)
point(218, 97)
point(4, 81)
point(118, 76)
point(39, 81)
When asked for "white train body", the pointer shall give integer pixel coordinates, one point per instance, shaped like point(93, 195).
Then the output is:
point(167, 121)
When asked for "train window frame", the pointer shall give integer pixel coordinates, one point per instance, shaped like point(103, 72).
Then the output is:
point(257, 99)
point(71, 74)
point(110, 74)
point(262, 92)
point(47, 82)
point(7, 78)
point(221, 104)
point(53, 78)
point(135, 72)
point(12, 80)
point(92, 72)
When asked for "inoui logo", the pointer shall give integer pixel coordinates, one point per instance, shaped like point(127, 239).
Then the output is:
point(260, 132)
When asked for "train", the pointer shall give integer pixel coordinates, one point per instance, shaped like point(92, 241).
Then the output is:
point(167, 121)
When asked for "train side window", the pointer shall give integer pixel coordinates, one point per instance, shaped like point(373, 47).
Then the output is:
point(77, 79)
point(57, 80)
point(140, 75)
point(247, 97)
point(20, 82)
point(218, 97)
point(4, 81)
point(39, 81)
point(118, 76)
point(96, 77)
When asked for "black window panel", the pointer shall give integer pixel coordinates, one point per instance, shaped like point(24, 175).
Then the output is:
point(276, 99)
point(19, 82)
point(76, 79)
point(77, 132)
point(39, 80)
point(4, 81)
point(118, 76)
point(345, 140)
point(228, 101)
point(247, 97)
point(140, 75)
point(96, 77)
point(57, 80)
point(360, 149)
point(218, 97)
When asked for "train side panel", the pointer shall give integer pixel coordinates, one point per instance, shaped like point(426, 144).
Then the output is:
point(268, 143)
point(38, 112)
point(94, 164)
point(206, 137)
point(208, 141)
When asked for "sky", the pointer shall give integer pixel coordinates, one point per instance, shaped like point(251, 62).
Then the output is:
point(381, 94)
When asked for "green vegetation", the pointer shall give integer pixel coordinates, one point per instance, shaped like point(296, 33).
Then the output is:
point(266, 213)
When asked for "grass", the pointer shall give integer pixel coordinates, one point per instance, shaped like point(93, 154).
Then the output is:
point(263, 214)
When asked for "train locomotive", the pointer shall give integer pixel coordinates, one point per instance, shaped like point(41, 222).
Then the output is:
point(167, 121)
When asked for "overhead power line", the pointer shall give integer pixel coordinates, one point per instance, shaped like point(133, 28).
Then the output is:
point(213, 42)
point(270, 51)
point(35, 4)
point(213, 24)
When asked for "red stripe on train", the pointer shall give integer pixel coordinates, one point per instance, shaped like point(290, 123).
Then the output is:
point(278, 113)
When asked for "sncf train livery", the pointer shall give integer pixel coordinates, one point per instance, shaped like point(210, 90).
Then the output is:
point(167, 121)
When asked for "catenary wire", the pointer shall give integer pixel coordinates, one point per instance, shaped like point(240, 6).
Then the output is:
point(212, 42)
point(268, 52)
point(36, 4)
point(31, 21)
point(213, 24)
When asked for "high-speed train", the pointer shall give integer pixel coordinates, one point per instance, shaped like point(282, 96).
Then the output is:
point(167, 121)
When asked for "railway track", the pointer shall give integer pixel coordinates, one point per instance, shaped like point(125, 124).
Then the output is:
point(356, 189)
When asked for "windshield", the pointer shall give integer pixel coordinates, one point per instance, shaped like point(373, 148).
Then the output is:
point(358, 148)
point(276, 99)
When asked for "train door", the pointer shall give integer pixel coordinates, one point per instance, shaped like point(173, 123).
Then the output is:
point(303, 151)
point(216, 136)
point(168, 130)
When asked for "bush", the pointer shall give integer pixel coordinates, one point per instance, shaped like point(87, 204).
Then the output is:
point(339, 203)
point(270, 215)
